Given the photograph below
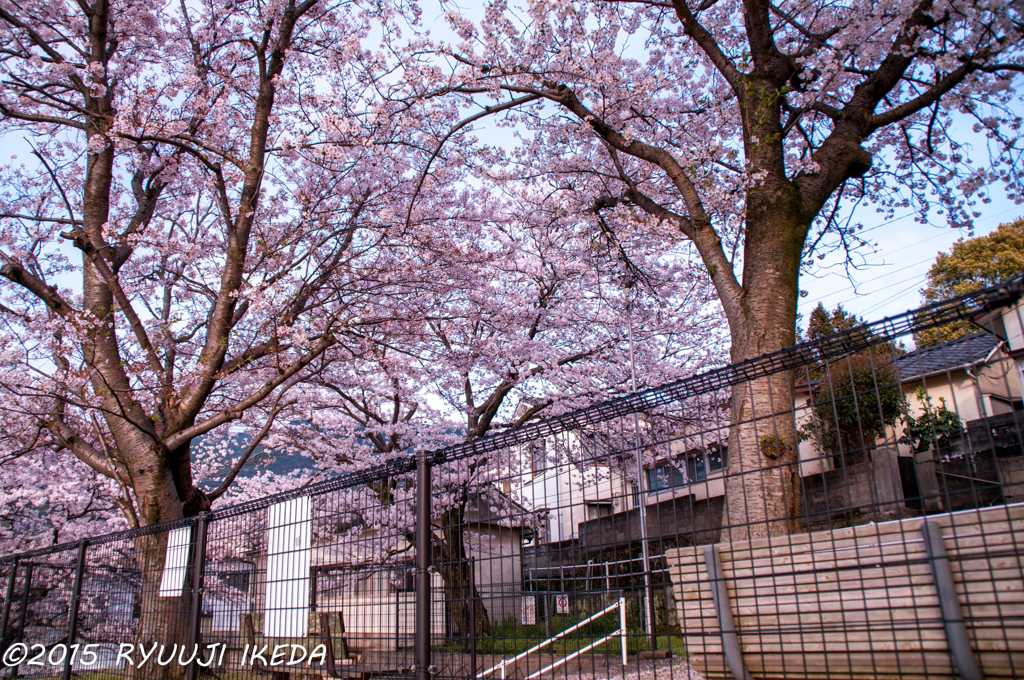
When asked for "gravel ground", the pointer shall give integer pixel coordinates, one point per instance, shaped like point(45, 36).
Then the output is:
point(675, 668)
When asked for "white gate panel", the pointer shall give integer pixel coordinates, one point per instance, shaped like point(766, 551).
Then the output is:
point(289, 538)
point(175, 562)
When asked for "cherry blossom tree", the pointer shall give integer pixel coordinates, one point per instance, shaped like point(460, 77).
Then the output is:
point(750, 129)
point(206, 207)
point(525, 317)
point(226, 217)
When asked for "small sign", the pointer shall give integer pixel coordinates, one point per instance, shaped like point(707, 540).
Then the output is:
point(529, 610)
point(562, 604)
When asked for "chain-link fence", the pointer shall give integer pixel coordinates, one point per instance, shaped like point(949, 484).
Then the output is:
point(843, 508)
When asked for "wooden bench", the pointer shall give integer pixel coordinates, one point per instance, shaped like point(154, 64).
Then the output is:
point(358, 669)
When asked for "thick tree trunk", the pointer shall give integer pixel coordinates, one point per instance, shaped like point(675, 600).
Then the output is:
point(452, 560)
point(763, 487)
point(164, 621)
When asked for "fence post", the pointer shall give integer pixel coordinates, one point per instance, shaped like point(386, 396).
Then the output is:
point(7, 599)
point(24, 611)
point(472, 618)
point(720, 596)
point(76, 599)
point(949, 604)
point(622, 627)
point(547, 610)
point(423, 547)
point(198, 567)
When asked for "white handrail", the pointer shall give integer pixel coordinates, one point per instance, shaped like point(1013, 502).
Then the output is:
point(622, 626)
point(572, 656)
point(620, 605)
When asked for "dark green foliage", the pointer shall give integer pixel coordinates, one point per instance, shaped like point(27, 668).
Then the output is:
point(854, 401)
point(972, 264)
point(822, 322)
point(934, 428)
point(855, 398)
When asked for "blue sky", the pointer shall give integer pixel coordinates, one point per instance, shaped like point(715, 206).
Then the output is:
point(891, 276)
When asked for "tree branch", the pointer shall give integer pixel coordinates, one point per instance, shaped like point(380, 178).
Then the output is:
point(83, 243)
point(14, 272)
point(82, 449)
point(235, 412)
point(710, 47)
point(249, 450)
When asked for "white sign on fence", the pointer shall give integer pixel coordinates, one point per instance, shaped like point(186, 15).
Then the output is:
point(562, 604)
point(529, 610)
point(288, 553)
point(175, 562)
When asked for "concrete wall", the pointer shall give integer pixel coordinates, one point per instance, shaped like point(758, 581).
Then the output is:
point(498, 568)
point(1011, 471)
point(871, 486)
point(688, 520)
point(379, 618)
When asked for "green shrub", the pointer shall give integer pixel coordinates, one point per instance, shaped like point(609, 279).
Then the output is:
point(934, 428)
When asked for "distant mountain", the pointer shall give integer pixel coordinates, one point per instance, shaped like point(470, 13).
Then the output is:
point(262, 460)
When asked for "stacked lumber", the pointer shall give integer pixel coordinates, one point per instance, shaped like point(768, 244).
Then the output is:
point(860, 602)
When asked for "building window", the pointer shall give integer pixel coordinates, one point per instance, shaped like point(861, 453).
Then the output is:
point(598, 510)
point(403, 579)
point(694, 467)
point(665, 476)
point(538, 456)
point(717, 456)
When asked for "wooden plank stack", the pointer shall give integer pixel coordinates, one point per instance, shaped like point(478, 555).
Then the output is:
point(860, 602)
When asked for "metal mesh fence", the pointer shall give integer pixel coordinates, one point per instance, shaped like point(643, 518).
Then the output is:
point(843, 508)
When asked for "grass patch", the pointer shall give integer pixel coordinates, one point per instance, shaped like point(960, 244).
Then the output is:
point(510, 638)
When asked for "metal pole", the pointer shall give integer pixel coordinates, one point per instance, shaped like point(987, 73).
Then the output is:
point(952, 614)
point(198, 567)
point(720, 597)
point(76, 598)
point(423, 547)
point(472, 619)
point(24, 611)
point(641, 505)
point(547, 611)
point(622, 627)
point(7, 599)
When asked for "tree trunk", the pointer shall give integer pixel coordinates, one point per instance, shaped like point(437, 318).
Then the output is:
point(763, 488)
point(453, 562)
point(164, 621)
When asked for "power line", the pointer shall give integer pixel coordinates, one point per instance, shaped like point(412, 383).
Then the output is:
point(894, 296)
point(891, 252)
point(895, 271)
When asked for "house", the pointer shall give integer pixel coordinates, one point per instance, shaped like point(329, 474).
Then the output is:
point(975, 381)
point(1003, 430)
point(566, 483)
point(368, 576)
point(923, 456)
point(583, 486)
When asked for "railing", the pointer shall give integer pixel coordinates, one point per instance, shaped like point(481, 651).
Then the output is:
point(621, 632)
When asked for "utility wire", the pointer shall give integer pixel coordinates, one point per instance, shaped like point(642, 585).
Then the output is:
point(889, 253)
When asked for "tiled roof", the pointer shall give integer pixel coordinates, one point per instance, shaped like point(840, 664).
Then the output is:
point(949, 356)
